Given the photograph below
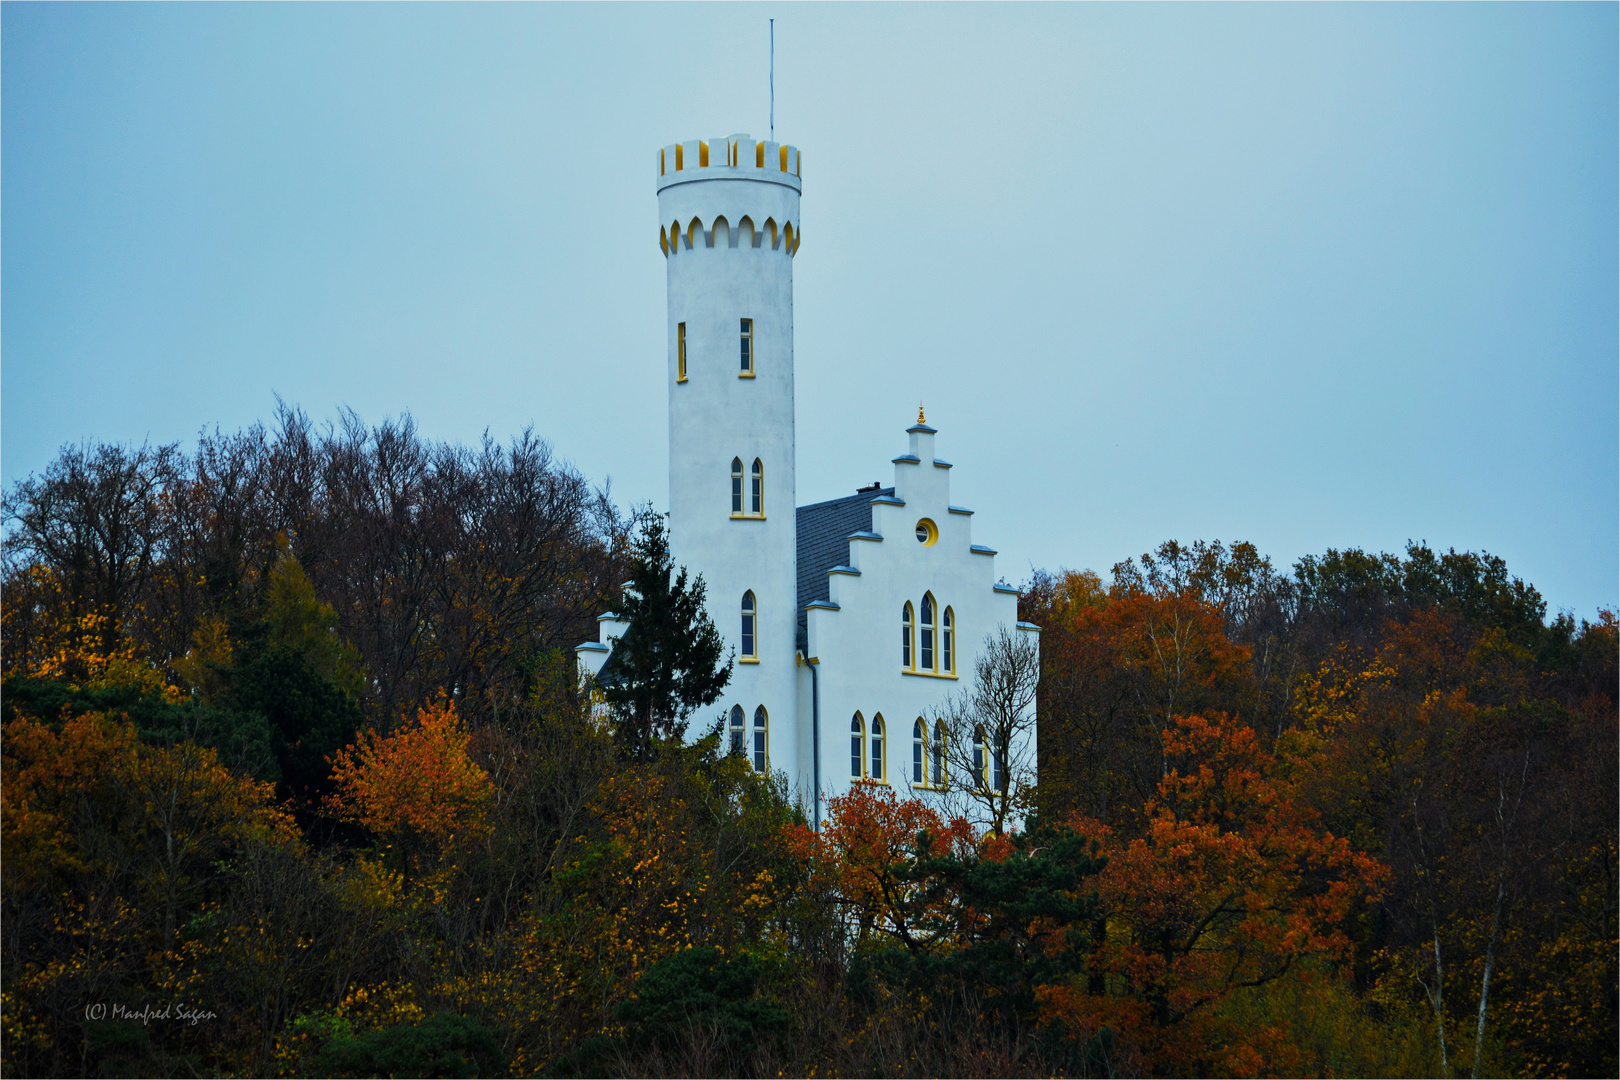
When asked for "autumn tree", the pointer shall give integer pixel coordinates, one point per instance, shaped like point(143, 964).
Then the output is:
point(444, 566)
point(1118, 665)
point(112, 848)
point(990, 730)
point(95, 521)
point(1230, 882)
point(417, 789)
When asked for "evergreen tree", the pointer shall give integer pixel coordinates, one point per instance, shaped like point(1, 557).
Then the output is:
point(668, 663)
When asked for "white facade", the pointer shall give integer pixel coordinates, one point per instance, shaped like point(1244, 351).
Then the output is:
point(829, 585)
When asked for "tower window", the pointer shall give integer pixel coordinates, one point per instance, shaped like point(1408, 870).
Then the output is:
point(761, 728)
point(680, 352)
point(747, 346)
point(857, 746)
point(928, 633)
point(947, 643)
point(756, 491)
point(998, 765)
point(905, 636)
point(736, 486)
point(877, 748)
point(939, 753)
point(919, 753)
point(981, 773)
point(750, 649)
point(737, 744)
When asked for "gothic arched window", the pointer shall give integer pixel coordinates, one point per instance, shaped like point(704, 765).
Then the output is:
point(737, 744)
point(905, 635)
point(947, 643)
point(756, 491)
point(736, 486)
point(750, 640)
point(877, 747)
point(761, 729)
point(939, 754)
point(928, 628)
point(919, 753)
point(857, 747)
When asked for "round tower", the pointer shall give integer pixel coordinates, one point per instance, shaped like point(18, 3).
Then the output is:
point(729, 213)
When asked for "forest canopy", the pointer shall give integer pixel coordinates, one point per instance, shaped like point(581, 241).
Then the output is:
point(300, 779)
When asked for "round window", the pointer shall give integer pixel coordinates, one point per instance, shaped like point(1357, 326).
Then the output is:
point(927, 532)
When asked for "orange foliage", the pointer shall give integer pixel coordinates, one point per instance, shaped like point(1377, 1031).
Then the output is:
point(55, 782)
point(867, 842)
point(1117, 667)
point(1230, 883)
point(419, 783)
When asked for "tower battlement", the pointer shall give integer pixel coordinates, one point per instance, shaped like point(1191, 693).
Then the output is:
point(736, 157)
point(704, 205)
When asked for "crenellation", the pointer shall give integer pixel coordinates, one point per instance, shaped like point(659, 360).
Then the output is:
point(695, 234)
point(735, 152)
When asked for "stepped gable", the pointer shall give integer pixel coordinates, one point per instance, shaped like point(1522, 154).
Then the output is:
point(823, 542)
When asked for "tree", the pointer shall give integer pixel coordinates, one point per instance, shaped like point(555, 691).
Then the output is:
point(1231, 882)
point(416, 788)
point(989, 743)
point(112, 849)
point(668, 663)
point(96, 520)
point(1118, 665)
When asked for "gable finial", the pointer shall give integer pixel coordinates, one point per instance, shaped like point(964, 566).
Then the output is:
point(920, 419)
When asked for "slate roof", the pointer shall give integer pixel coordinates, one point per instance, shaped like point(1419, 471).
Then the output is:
point(824, 530)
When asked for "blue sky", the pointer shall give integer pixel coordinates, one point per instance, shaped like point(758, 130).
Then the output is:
point(1308, 275)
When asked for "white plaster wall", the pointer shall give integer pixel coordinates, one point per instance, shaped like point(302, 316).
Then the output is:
point(858, 646)
point(714, 280)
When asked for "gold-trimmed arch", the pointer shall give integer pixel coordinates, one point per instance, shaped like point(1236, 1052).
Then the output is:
point(716, 233)
point(857, 746)
point(694, 232)
point(746, 234)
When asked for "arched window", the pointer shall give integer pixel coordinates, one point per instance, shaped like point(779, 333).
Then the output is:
point(981, 775)
point(928, 632)
point(750, 641)
point(939, 754)
point(877, 747)
point(738, 746)
point(947, 643)
point(857, 747)
point(736, 486)
point(905, 635)
point(919, 753)
point(756, 491)
point(762, 724)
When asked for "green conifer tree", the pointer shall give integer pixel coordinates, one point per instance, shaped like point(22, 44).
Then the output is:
point(668, 663)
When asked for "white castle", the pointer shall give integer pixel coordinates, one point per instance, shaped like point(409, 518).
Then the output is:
point(850, 619)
